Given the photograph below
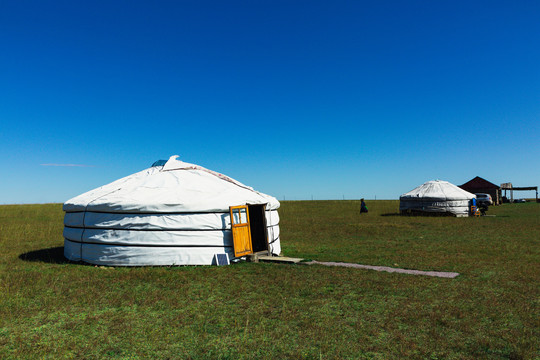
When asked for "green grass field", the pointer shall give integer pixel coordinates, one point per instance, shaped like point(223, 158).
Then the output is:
point(50, 308)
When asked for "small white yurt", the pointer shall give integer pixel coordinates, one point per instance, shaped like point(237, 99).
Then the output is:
point(436, 196)
point(173, 213)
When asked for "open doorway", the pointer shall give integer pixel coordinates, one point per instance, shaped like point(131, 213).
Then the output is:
point(257, 225)
point(248, 225)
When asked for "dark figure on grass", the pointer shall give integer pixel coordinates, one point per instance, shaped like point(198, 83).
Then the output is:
point(483, 209)
point(363, 207)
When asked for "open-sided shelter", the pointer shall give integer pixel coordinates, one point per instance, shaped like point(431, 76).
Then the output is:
point(436, 196)
point(173, 213)
point(479, 185)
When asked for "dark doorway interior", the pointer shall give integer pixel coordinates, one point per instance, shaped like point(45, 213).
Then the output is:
point(257, 225)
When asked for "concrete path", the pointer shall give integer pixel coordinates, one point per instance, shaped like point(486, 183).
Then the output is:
point(441, 274)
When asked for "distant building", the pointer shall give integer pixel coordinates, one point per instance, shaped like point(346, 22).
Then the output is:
point(436, 197)
point(479, 185)
point(512, 188)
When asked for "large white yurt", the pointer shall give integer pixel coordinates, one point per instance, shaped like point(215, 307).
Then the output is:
point(436, 196)
point(173, 213)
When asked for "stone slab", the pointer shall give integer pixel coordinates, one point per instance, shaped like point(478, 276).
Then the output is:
point(281, 259)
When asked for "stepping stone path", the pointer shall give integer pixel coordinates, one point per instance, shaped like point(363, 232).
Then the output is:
point(441, 274)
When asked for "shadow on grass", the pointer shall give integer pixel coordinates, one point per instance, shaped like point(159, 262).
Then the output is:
point(391, 214)
point(53, 255)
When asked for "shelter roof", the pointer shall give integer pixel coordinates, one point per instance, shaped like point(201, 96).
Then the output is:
point(479, 183)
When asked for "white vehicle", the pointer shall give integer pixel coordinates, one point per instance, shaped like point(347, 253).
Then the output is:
point(484, 199)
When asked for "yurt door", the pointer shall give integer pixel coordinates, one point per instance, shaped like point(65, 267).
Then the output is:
point(240, 230)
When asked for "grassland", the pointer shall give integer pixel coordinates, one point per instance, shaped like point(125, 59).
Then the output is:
point(50, 308)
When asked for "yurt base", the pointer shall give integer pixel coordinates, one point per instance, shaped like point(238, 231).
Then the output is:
point(428, 213)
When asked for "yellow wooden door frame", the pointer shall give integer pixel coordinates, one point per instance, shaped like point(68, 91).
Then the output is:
point(240, 230)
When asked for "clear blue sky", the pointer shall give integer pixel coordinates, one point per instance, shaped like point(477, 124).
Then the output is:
point(328, 99)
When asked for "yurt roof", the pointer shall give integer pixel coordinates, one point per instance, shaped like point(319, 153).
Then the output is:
point(438, 189)
point(176, 186)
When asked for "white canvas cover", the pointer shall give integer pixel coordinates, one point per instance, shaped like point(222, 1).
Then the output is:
point(175, 214)
point(437, 196)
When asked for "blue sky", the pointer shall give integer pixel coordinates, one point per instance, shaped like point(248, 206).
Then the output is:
point(298, 99)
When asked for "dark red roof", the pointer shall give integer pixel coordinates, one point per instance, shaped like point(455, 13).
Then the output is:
point(479, 183)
